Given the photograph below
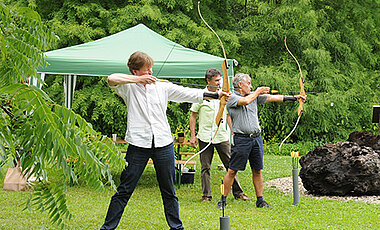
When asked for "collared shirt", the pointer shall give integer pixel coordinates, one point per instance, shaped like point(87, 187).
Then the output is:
point(244, 117)
point(146, 107)
point(207, 111)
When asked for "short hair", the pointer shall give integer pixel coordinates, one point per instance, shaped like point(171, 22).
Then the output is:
point(210, 73)
point(138, 60)
point(239, 77)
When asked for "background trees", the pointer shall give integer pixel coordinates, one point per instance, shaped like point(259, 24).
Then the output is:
point(335, 42)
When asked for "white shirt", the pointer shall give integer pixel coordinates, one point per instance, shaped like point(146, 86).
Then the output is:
point(146, 108)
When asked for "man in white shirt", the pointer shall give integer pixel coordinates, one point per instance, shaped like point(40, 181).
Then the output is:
point(206, 111)
point(148, 134)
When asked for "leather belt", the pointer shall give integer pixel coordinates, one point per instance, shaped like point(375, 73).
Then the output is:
point(252, 135)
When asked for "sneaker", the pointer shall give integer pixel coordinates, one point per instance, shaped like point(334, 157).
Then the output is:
point(263, 204)
point(221, 204)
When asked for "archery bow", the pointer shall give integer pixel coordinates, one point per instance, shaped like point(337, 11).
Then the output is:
point(225, 88)
point(302, 92)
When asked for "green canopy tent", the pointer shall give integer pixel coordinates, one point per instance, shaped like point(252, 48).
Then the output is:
point(110, 55)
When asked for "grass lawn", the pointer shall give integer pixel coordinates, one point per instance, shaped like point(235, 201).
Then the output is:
point(145, 210)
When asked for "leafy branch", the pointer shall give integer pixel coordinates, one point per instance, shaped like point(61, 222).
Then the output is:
point(37, 131)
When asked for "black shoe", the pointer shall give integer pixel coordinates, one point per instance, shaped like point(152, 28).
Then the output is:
point(262, 204)
point(221, 204)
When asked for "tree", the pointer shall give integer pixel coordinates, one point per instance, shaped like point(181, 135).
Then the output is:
point(38, 132)
point(336, 43)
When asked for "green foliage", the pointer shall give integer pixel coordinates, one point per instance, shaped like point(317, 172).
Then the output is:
point(302, 147)
point(37, 131)
point(336, 56)
point(50, 198)
point(19, 47)
point(336, 43)
point(100, 106)
point(95, 102)
point(179, 117)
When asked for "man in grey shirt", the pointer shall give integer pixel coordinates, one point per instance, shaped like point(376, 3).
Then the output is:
point(247, 141)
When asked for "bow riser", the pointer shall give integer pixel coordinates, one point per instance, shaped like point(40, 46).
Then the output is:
point(226, 84)
point(225, 88)
point(219, 116)
point(303, 93)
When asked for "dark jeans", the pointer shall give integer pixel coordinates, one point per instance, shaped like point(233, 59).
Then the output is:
point(137, 158)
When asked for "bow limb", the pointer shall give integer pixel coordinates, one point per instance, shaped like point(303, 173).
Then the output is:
point(220, 41)
point(301, 80)
point(300, 101)
point(226, 85)
point(225, 88)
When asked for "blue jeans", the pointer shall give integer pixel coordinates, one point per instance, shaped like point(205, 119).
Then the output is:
point(137, 158)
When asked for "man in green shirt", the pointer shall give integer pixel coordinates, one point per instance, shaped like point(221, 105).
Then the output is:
point(207, 111)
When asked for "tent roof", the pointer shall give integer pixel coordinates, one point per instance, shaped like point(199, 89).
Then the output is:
point(110, 55)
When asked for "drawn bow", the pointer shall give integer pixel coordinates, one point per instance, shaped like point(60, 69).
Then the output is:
point(302, 92)
point(225, 88)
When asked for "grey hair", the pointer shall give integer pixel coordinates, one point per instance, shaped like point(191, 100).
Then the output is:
point(239, 77)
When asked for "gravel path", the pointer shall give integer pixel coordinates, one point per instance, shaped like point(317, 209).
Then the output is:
point(285, 185)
